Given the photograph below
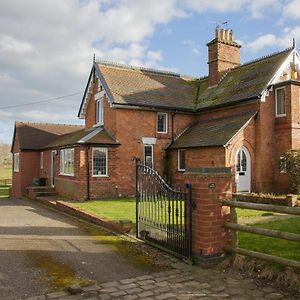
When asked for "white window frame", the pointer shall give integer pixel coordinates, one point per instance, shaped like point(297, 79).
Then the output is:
point(99, 98)
point(280, 115)
point(42, 160)
point(61, 165)
point(178, 159)
point(166, 122)
point(152, 159)
point(16, 162)
point(106, 161)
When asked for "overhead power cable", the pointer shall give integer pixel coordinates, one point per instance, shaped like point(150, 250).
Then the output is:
point(41, 101)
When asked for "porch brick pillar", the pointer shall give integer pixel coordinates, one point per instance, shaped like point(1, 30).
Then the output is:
point(209, 187)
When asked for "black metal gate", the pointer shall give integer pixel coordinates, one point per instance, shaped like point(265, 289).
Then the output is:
point(163, 215)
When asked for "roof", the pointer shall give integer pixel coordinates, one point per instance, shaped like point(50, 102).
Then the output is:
point(247, 81)
point(98, 135)
point(216, 132)
point(33, 136)
point(134, 86)
point(147, 87)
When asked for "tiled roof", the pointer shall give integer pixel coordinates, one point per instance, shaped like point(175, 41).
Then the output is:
point(98, 135)
point(145, 87)
point(151, 88)
point(241, 83)
point(217, 132)
point(33, 136)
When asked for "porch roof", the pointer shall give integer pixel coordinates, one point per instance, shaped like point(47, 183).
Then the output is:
point(33, 136)
point(96, 135)
point(210, 133)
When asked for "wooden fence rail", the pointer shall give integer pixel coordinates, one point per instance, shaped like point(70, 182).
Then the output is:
point(5, 181)
point(234, 226)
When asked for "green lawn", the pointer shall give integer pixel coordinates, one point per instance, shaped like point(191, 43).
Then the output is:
point(250, 213)
point(115, 209)
point(124, 208)
point(5, 172)
point(274, 246)
point(4, 191)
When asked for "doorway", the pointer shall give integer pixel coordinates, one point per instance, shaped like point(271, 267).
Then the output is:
point(243, 170)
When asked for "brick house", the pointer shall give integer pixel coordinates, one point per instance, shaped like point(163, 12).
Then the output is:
point(242, 116)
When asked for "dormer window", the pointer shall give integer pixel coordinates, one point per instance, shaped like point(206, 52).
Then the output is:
point(280, 102)
point(162, 122)
point(99, 98)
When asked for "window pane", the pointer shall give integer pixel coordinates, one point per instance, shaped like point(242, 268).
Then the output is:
point(181, 157)
point(280, 102)
point(67, 161)
point(162, 122)
point(99, 162)
point(148, 156)
point(244, 161)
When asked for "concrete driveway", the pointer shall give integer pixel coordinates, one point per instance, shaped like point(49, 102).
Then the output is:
point(43, 251)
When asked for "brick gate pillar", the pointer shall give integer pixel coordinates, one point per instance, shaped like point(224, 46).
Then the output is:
point(209, 187)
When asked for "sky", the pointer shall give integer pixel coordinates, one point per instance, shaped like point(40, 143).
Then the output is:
point(47, 47)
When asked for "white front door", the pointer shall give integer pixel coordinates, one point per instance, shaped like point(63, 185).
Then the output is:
point(243, 170)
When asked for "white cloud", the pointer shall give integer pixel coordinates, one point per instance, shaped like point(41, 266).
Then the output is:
point(262, 42)
point(292, 10)
point(257, 8)
point(269, 40)
point(46, 47)
point(216, 5)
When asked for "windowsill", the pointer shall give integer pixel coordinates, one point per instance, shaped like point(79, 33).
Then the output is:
point(181, 170)
point(16, 171)
point(280, 116)
point(161, 132)
point(100, 176)
point(97, 125)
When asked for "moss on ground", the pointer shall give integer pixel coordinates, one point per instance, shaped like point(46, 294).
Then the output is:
point(129, 248)
point(56, 274)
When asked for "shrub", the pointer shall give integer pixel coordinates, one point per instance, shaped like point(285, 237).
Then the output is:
point(290, 164)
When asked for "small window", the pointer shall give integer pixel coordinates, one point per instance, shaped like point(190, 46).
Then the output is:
point(280, 102)
point(16, 162)
point(67, 162)
point(99, 108)
point(42, 160)
point(181, 160)
point(100, 162)
point(162, 122)
point(148, 155)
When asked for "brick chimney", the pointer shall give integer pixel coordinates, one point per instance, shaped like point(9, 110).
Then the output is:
point(223, 54)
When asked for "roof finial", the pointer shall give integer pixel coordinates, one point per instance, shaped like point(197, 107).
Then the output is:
point(294, 43)
point(94, 58)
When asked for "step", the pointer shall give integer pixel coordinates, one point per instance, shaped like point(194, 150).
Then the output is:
point(35, 189)
point(45, 193)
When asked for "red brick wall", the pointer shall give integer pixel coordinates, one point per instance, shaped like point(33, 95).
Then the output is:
point(209, 234)
point(195, 158)
point(109, 113)
point(132, 126)
point(221, 57)
point(28, 169)
point(75, 187)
